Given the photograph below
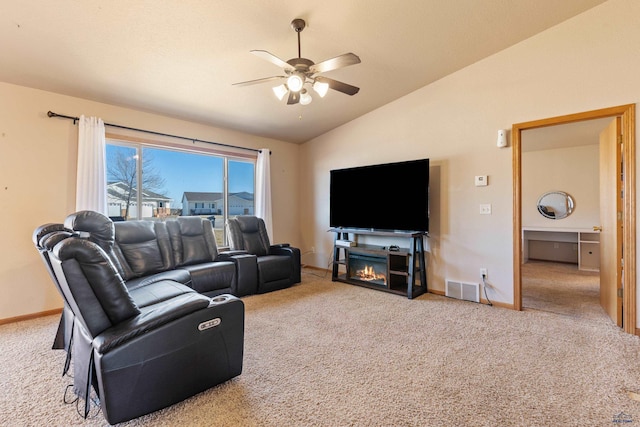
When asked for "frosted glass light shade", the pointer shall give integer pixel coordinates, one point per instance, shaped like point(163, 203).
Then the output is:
point(280, 91)
point(305, 98)
point(321, 88)
point(295, 82)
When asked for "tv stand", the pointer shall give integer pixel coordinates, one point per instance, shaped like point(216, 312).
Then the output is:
point(404, 269)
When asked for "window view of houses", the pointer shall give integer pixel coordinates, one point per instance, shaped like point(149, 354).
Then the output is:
point(176, 183)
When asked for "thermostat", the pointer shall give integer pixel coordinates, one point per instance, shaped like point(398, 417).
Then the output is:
point(481, 180)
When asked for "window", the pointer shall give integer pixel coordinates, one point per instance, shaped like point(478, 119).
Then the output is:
point(177, 183)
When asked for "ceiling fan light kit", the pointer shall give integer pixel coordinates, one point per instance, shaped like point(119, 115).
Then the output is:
point(321, 88)
point(280, 91)
point(302, 71)
point(295, 81)
point(305, 98)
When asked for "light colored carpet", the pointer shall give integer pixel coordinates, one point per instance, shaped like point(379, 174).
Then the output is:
point(561, 288)
point(332, 354)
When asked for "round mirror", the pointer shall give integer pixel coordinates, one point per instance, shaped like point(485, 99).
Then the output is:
point(555, 205)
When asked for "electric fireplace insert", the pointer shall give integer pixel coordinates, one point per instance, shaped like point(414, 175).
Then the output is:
point(366, 268)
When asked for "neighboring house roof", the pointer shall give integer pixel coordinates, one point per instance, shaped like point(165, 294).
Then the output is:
point(243, 195)
point(193, 196)
point(117, 190)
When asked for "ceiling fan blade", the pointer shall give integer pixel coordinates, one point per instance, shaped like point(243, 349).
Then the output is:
point(294, 98)
point(258, 81)
point(339, 86)
point(273, 59)
point(335, 63)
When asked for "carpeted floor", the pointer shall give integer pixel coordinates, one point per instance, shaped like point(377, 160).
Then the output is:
point(332, 354)
point(562, 289)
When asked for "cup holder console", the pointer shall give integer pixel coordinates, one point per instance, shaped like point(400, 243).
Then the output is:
point(219, 299)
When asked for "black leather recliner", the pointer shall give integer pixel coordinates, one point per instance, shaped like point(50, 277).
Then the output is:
point(45, 238)
point(278, 265)
point(141, 347)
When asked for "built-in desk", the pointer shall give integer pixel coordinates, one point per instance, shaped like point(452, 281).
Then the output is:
point(573, 245)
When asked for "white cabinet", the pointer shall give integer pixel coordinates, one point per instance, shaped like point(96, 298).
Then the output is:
point(589, 251)
point(578, 246)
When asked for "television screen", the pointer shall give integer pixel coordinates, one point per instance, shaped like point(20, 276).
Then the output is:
point(390, 196)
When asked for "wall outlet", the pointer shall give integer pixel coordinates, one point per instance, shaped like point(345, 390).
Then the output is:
point(483, 273)
point(313, 249)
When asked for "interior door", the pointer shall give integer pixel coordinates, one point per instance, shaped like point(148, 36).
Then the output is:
point(611, 196)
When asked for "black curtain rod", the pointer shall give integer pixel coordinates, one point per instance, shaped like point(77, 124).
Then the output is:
point(75, 119)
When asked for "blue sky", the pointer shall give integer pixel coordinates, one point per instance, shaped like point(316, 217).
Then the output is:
point(194, 172)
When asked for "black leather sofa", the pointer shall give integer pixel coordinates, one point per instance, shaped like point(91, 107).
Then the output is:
point(151, 310)
point(148, 342)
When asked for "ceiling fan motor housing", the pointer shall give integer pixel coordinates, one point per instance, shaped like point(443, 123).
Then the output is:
point(298, 25)
point(301, 65)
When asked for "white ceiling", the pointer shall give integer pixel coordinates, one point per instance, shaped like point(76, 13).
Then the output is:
point(180, 58)
point(565, 135)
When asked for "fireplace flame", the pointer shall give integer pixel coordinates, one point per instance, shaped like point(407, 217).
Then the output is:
point(368, 274)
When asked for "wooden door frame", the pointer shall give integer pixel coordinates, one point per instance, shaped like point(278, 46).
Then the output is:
point(627, 113)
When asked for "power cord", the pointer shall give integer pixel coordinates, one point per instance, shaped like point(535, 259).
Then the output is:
point(484, 286)
point(329, 265)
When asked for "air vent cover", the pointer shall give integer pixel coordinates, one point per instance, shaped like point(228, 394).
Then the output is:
point(463, 291)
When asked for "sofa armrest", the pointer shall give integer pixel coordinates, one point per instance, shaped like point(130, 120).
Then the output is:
point(226, 255)
point(246, 272)
point(280, 245)
point(151, 317)
point(292, 252)
point(283, 250)
point(169, 363)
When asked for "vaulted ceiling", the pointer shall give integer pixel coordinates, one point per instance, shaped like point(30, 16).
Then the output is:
point(181, 58)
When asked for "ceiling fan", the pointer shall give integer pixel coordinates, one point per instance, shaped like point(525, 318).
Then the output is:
point(302, 71)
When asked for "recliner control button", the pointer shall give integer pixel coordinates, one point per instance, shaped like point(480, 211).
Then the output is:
point(209, 324)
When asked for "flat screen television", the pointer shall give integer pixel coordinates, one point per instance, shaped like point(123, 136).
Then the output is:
point(384, 197)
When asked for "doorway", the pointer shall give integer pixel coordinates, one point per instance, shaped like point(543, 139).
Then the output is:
point(626, 113)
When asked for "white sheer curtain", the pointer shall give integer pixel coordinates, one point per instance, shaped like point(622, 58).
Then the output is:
point(91, 182)
point(263, 189)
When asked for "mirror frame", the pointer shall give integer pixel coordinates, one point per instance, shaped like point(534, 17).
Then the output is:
point(569, 202)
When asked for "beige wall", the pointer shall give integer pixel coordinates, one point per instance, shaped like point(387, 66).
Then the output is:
point(37, 181)
point(587, 63)
point(573, 170)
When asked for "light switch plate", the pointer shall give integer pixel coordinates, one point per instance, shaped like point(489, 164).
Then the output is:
point(481, 180)
point(485, 209)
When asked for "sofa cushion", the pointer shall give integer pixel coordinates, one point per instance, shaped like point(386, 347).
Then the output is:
point(98, 229)
point(248, 233)
point(210, 277)
point(157, 292)
point(83, 269)
point(180, 276)
point(143, 247)
point(192, 240)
